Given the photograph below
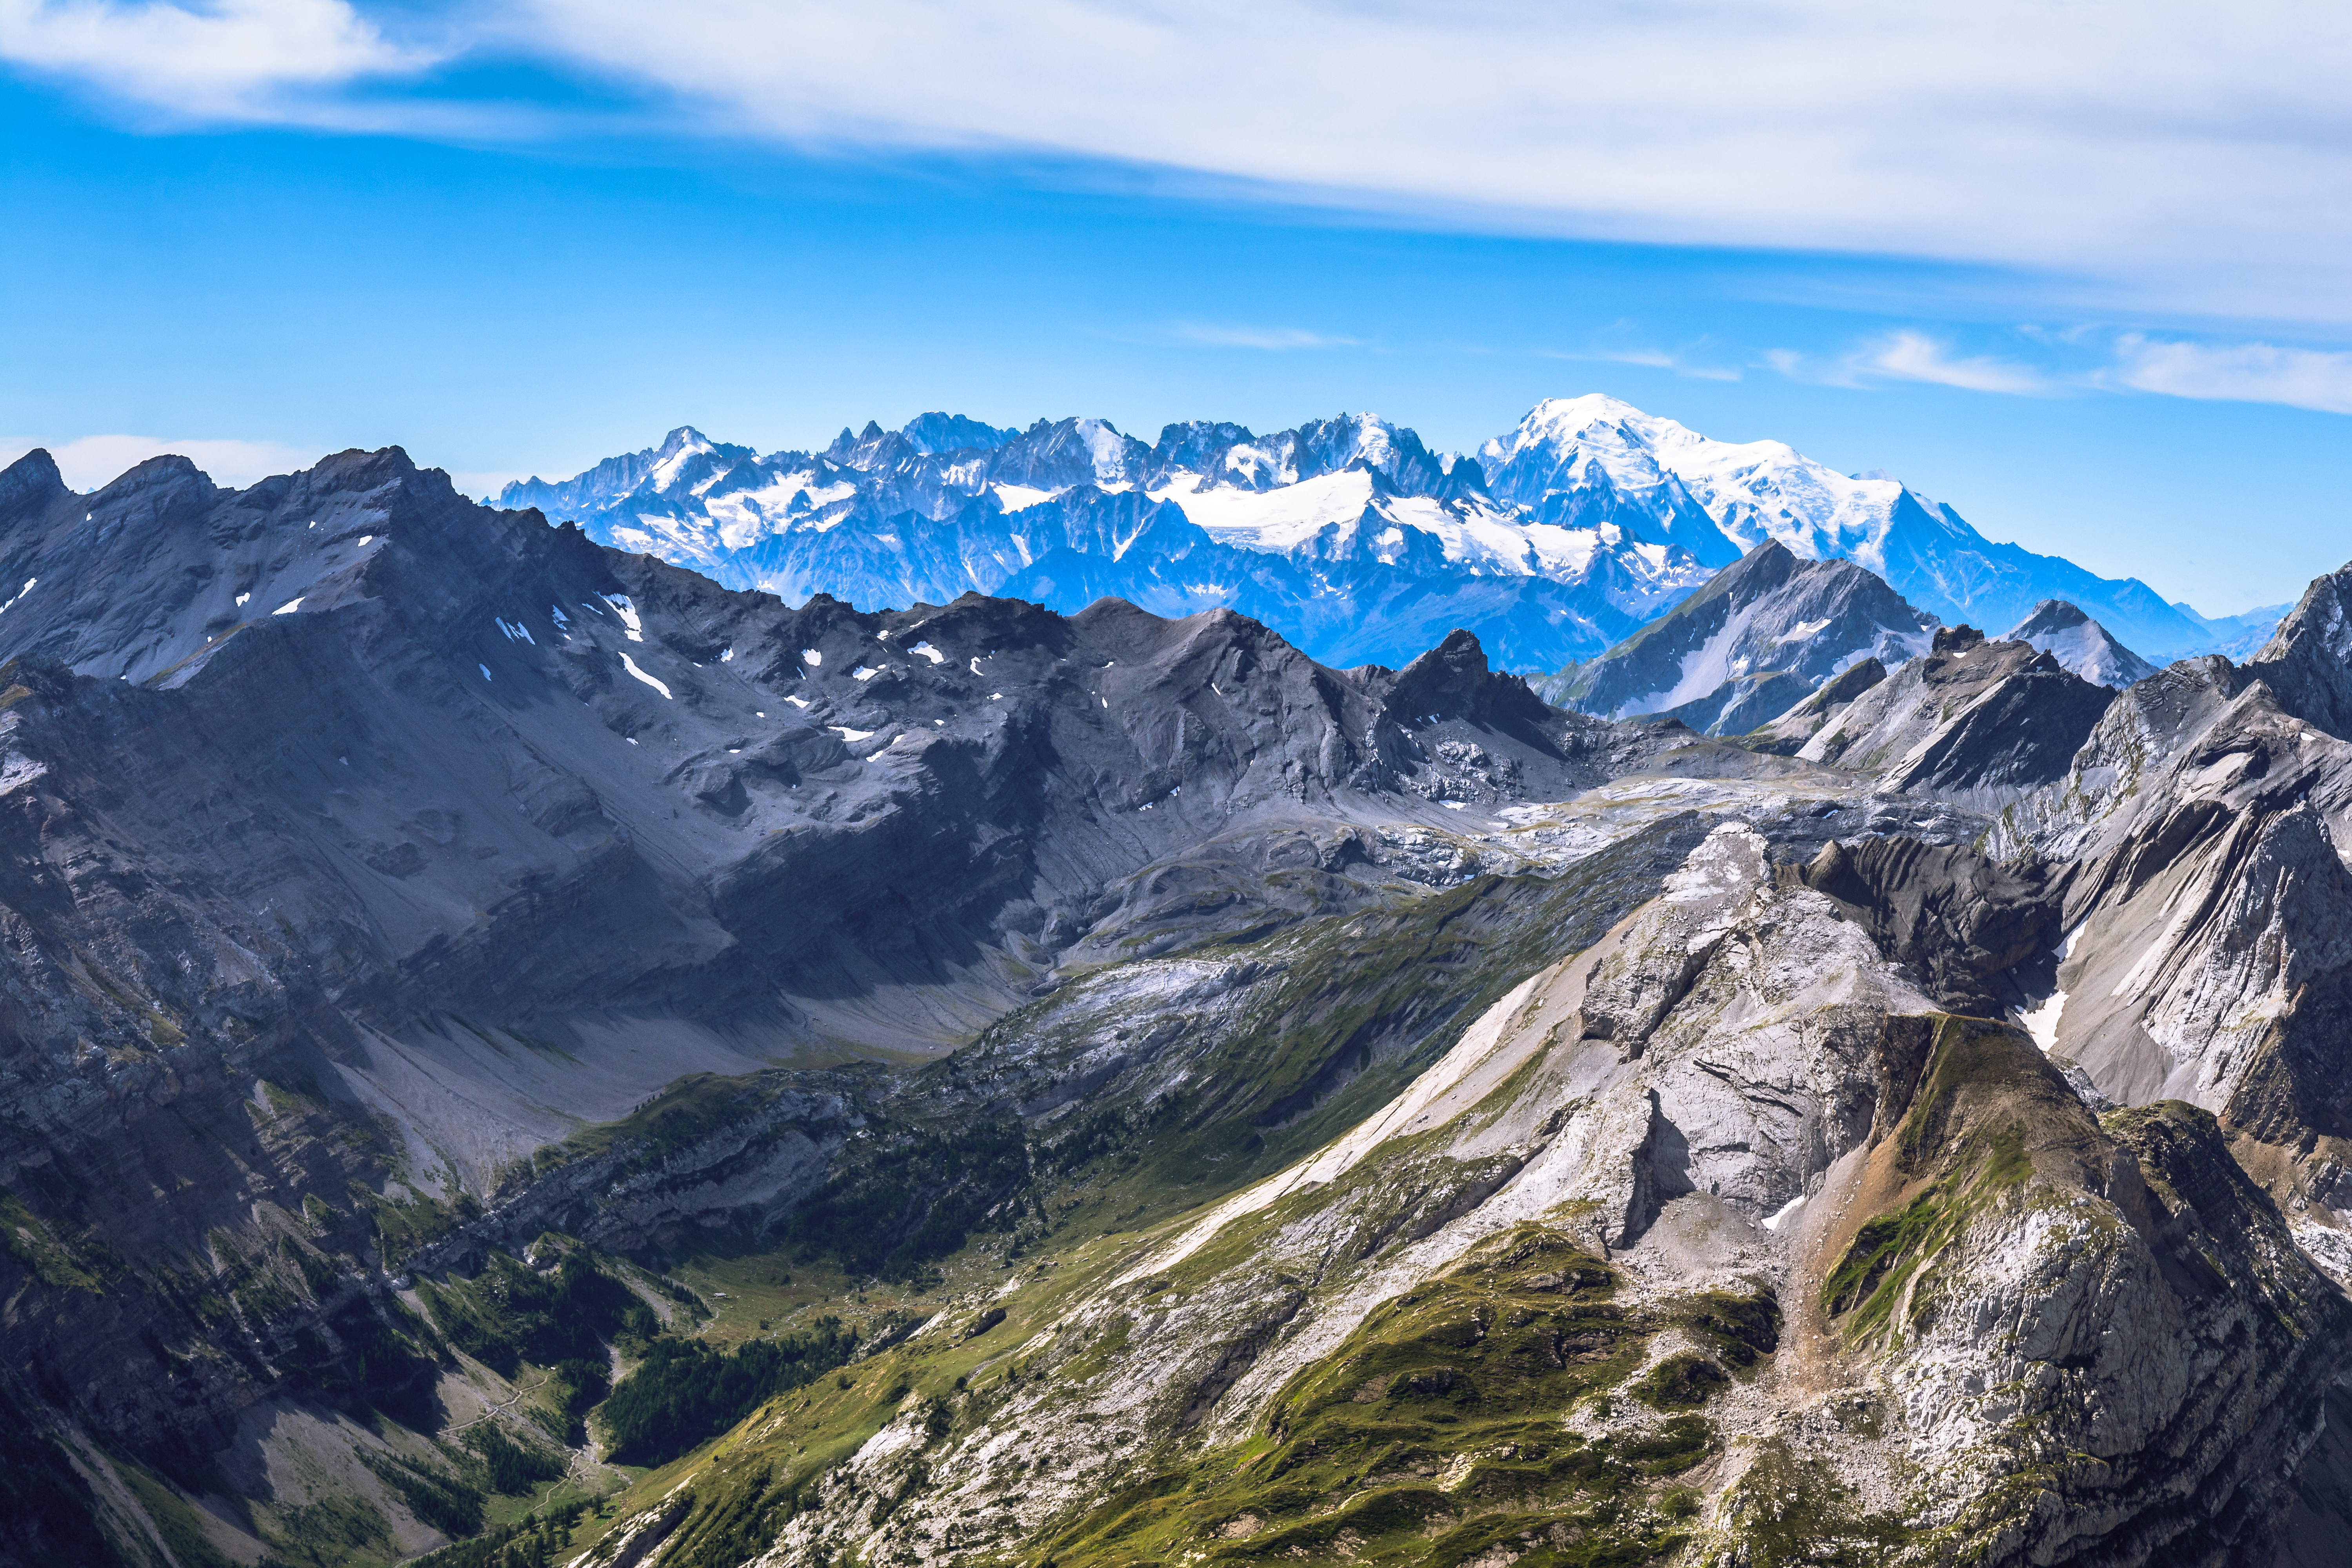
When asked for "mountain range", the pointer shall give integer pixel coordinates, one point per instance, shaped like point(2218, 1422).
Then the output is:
point(513, 1051)
point(1348, 535)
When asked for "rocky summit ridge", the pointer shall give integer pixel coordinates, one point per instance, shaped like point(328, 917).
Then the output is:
point(512, 1051)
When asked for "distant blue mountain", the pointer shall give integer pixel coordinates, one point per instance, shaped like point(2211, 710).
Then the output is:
point(1347, 535)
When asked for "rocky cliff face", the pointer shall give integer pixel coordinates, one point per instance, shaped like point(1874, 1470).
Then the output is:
point(1975, 720)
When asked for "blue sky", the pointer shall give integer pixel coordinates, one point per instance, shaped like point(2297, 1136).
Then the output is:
point(2089, 287)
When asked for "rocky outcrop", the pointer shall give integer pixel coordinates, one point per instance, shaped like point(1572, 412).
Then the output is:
point(2199, 831)
point(1975, 722)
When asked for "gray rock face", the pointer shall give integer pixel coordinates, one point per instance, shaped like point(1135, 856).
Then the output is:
point(2080, 644)
point(1975, 722)
point(1771, 613)
point(1786, 734)
point(2205, 899)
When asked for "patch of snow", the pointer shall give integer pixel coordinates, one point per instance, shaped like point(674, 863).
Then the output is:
point(366, 540)
point(1772, 1221)
point(811, 658)
point(1453, 805)
point(483, 667)
point(628, 614)
point(1804, 629)
point(562, 622)
point(241, 598)
point(928, 651)
point(28, 588)
point(2042, 1022)
point(864, 672)
point(853, 736)
point(1019, 498)
point(630, 739)
point(975, 664)
point(288, 608)
point(726, 656)
point(631, 666)
point(996, 697)
point(795, 701)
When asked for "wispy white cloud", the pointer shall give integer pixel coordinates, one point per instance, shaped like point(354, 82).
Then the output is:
point(234, 60)
point(1916, 356)
point(2318, 379)
point(1244, 337)
point(2152, 150)
point(2176, 145)
point(1697, 367)
point(88, 462)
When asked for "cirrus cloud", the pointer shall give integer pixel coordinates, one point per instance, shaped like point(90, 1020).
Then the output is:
point(236, 59)
point(2149, 153)
point(2317, 379)
point(2167, 149)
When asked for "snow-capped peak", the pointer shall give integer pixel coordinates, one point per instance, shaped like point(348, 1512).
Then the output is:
point(678, 449)
point(1753, 489)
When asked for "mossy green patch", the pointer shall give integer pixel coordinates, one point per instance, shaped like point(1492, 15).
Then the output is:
point(1431, 1434)
point(30, 1243)
point(179, 1522)
point(1680, 1382)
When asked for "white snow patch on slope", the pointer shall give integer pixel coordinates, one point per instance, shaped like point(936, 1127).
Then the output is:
point(853, 736)
point(809, 656)
point(928, 651)
point(864, 672)
point(2042, 1022)
point(631, 666)
point(1772, 1221)
point(288, 608)
point(1020, 498)
point(628, 614)
point(30, 580)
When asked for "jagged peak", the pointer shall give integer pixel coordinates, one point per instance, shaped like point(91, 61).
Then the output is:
point(31, 479)
point(2050, 616)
